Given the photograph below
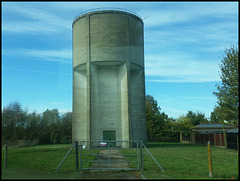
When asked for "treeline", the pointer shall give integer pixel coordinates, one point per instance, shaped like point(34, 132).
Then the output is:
point(49, 127)
point(164, 128)
point(52, 128)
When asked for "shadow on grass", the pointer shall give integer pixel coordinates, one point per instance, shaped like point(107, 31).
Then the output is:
point(35, 174)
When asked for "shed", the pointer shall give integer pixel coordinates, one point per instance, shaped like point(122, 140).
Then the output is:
point(232, 139)
point(203, 133)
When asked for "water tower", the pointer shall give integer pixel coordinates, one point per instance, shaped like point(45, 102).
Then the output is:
point(108, 76)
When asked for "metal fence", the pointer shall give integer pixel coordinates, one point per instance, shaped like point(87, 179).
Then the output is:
point(109, 155)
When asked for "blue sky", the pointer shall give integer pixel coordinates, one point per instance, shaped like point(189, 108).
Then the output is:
point(183, 47)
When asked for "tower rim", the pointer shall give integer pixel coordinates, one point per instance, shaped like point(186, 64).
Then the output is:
point(106, 10)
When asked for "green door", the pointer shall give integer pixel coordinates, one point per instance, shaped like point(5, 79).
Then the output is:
point(110, 135)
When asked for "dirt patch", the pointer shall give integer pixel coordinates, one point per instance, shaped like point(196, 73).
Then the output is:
point(102, 175)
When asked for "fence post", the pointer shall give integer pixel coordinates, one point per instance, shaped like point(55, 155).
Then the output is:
point(76, 147)
point(237, 143)
point(80, 155)
point(209, 160)
point(141, 152)
point(5, 160)
point(108, 154)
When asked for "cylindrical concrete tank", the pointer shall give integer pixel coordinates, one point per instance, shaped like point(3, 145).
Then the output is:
point(108, 77)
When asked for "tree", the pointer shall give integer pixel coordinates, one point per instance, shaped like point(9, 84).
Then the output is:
point(214, 117)
point(155, 119)
point(196, 118)
point(13, 122)
point(171, 124)
point(185, 123)
point(32, 130)
point(227, 92)
point(50, 116)
point(66, 128)
point(50, 127)
point(190, 120)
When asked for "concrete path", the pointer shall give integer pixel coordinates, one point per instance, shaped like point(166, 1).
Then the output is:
point(103, 175)
point(115, 155)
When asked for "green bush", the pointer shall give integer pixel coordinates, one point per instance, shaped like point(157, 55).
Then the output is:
point(165, 136)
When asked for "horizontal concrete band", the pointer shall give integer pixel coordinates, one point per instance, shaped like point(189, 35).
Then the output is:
point(83, 66)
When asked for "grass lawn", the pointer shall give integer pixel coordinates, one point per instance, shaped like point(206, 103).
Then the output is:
point(13, 173)
point(40, 162)
point(186, 161)
point(180, 161)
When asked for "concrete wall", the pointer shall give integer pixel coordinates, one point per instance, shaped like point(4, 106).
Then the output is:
point(108, 76)
point(105, 101)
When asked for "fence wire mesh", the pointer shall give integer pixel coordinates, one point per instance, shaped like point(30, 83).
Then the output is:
point(109, 155)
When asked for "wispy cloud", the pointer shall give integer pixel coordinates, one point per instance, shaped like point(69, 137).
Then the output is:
point(169, 32)
point(180, 68)
point(184, 43)
point(185, 12)
point(35, 71)
point(63, 55)
point(25, 19)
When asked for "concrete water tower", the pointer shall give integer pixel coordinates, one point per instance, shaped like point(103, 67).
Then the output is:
point(108, 76)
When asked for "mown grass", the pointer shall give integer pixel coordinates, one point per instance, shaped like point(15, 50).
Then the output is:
point(41, 158)
point(186, 161)
point(180, 161)
point(24, 174)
